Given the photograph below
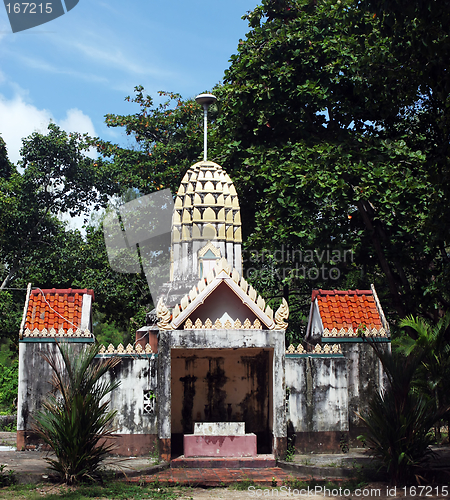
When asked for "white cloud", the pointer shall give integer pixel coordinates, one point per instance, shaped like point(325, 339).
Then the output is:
point(114, 57)
point(77, 121)
point(19, 119)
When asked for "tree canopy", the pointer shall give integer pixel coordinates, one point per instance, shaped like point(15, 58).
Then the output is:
point(338, 142)
point(332, 121)
point(54, 176)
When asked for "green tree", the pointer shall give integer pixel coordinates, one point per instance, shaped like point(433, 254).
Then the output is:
point(8, 384)
point(55, 260)
point(11, 311)
point(333, 140)
point(167, 142)
point(108, 333)
point(325, 121)
point(418, 34)
point(121, 299)
point(55, 177)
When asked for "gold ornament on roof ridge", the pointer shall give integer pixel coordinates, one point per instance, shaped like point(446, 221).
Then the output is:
point(163, 314)
point(282, 315)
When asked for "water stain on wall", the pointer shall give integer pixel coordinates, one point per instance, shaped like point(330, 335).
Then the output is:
point(216, 395)
point(188, 403)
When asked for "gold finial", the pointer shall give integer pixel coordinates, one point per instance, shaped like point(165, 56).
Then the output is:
point(282, 315)
point(163, 314)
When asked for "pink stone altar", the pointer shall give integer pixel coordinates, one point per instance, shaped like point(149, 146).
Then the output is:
point(219, 439)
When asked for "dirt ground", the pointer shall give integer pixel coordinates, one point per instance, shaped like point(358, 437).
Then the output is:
point(377, 491)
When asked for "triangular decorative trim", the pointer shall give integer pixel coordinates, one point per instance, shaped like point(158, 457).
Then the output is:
point(209, 246)
point(222, 273)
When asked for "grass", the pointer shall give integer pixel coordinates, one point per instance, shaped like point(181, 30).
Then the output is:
point(361, 477)
point(112, 490)
point(333, 464)
point(9, 440)
point(290, 450)
point(154, 455)
point(7, 477)
point(311, 483)
point(12, 427)
point(243, 485)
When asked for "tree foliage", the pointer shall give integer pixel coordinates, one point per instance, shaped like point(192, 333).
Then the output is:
point(9, 381)
point(335, 127)
point(431, 344)
point(166, 138)
point(332, 121)
point(120, 299)
point(54, 177)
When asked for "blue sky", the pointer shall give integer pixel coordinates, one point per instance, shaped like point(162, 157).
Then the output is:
point(79, 67)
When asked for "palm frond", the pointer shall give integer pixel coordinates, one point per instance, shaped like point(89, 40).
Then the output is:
point(77, 425)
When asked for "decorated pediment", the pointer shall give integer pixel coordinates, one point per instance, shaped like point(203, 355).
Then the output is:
point(222, 300)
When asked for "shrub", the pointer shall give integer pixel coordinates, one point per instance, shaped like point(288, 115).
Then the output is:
point(9, 376)
point(399, 419)
point(76, 419)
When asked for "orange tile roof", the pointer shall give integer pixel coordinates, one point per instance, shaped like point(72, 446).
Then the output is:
point(350, 308)
point(53, 308)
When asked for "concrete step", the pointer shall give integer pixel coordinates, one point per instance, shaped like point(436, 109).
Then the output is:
point(257, 462)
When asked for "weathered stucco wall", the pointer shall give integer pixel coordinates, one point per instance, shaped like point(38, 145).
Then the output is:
point(135, 402)
point(317, 388)
point(136, 375)
point(365, 376)
point(222, 375)
point(317, 413)
point(136, 419)
point(175, 343)
point(34, 383)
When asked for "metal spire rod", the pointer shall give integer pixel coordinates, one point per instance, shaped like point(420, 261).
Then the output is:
point(205, 100)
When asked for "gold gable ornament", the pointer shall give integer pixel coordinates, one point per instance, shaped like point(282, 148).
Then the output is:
point(282, 315)
point(164, 316)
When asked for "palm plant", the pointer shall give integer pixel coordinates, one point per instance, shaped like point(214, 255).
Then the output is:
point(399, 418)
point(434, 373)
point(75, 420)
